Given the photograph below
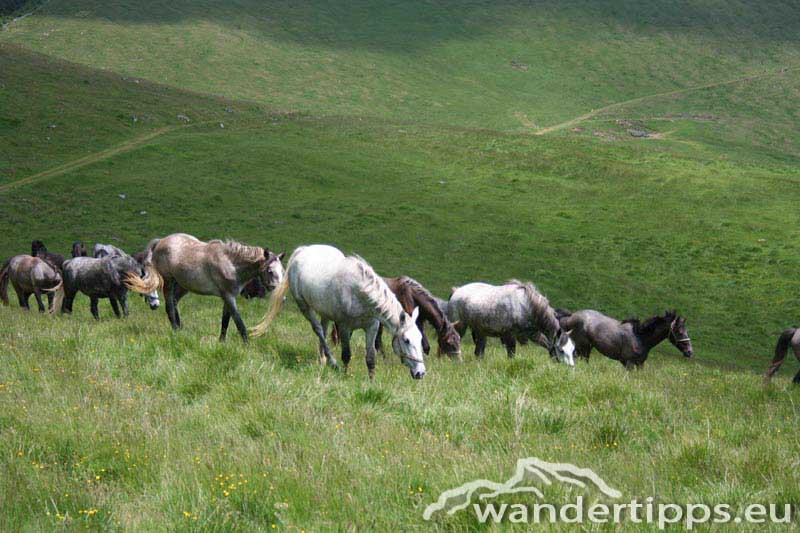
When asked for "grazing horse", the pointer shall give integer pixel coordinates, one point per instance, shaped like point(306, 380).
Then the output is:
point(99, 278)
point(330, 287)
point(30, 275)
point(150, 298)
point(410, 293)
point(514, 311)
point(38, 249)
point(79, 249)
point(183, 264)
point(629, 341)
point(789, 337)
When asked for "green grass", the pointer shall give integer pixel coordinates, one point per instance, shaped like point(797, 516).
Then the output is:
point(399, 131)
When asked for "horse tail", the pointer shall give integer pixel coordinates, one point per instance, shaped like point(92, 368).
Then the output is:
point(275, 300)
point(152, 280)
point(4, 282)
point(58, 296)
point(780, 351)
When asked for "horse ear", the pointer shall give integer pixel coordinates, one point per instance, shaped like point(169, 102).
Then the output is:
point(266, 252)
point(415, 314)
point(453, 289)
point(456, 324)
point(281, 256)
point(403, 318)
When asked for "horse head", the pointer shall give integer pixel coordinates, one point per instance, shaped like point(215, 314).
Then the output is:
point(407, 344)
point(270, 269)
point(562, 347)
point(678, 335)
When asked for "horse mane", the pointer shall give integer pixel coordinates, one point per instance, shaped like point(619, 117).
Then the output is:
point(378, 293)
point(544, 316)
point(428, 303)
point(242, 252)
point(648, 325)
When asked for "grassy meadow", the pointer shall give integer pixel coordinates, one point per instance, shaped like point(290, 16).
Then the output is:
point(449, 141)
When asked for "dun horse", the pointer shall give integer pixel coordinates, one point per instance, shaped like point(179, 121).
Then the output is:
point(183, 264)
point(514, 311)
point(31, 275)
point(629, 341)
point(329, 287)
point(790, 337)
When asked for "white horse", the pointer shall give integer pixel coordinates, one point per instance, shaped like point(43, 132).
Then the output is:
point(514, 311)
point(329, 287)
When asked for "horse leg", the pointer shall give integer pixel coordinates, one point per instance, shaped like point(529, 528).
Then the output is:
point(371, 333)
point(510, 343)
point(38, 295)
point(344, 339)
point(123, 300)
point(379, 340)
point(93, 308)
point(22, 297)
point(461, 328)
point(796, 350)
point(230, 302)
point(114, 306)
point(169, 296)
point(480, 343)
point(426, 347)
point(179, 292)
point(226, 319)
point(69, 298)
point(336, 338)
point(50, 301)
point(317, 327)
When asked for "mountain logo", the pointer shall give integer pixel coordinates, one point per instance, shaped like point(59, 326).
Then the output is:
point(530, 473)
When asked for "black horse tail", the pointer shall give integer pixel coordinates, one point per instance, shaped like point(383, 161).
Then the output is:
point(4, 282)
point(780, 351)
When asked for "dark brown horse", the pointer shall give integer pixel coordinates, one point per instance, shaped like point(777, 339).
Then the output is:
point(79, 250)
point(410, 293)
point(789, 337)
point(38, 249)
point(629, 341)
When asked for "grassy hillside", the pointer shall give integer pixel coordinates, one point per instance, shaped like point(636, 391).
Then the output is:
point(401, 132)
point(447, 62)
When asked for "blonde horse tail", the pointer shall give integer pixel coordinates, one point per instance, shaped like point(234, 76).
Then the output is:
point(58, 296)
point(780, 352)
point(275, 300)
point(4, 282)
point(152, 280)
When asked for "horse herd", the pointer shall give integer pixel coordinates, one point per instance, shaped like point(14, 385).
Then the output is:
point(345, 292)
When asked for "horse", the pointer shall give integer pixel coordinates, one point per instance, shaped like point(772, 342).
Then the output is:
point(514, 311)
point(789, 337)
point(331, 287)
point(254, 289)
point(410, 293)
point(38, 249)
point(79, 249)
point(182, 263)
point(31, 275)
point(104, 250)
point(99, 278)
point(629, 341)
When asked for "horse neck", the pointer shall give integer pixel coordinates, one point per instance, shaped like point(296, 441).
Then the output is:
point(656, 335)
point(428, 308)
point(382, 300)
point(544, 316)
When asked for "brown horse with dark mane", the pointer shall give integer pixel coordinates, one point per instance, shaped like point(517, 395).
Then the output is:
point(628, 341)
point(31, 275)
point(410, 293)
point(789, 337)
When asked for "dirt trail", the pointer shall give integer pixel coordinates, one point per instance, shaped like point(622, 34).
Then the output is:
point(594, 112)
point(89, 159)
